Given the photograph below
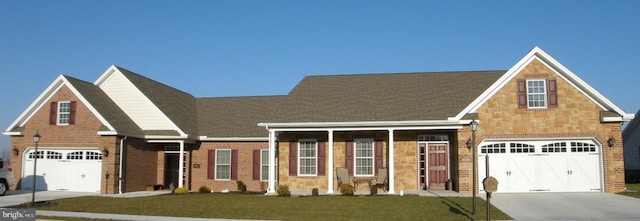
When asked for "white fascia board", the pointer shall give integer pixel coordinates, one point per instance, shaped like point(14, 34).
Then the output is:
point(356, 124)
point(447, 127)
point(113, 70)
point(9, 133)
point(37, 103)
point(205, 138)
point(559, 69)
point(52, 89)
point(164, 137)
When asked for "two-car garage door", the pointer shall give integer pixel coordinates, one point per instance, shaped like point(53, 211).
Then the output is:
point(63, 169)
point(542, 166)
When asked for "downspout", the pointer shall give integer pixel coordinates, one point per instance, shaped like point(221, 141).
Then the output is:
point(121, 167)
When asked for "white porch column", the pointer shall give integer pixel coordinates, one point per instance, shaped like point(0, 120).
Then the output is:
point(271, 189)
point(391, 164)
point(181, 165)
point(330, 164)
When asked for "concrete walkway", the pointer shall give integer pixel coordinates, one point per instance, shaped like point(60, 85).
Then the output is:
point(120, 216)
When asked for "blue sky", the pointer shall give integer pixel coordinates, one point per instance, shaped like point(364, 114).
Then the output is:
point(240, 48)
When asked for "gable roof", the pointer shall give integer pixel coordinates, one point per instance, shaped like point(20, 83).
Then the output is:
point(178, 106)
point(385, 97)
point(113, 119)
point(538, 54)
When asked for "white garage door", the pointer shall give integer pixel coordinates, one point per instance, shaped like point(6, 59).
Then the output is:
point(64, 169)
point(542, 166)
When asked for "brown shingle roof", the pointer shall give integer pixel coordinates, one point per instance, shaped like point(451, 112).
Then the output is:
point(236, 116)
point(384, 97)
point(106, 107)
point(179, 106)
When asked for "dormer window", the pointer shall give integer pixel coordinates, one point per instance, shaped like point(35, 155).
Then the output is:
point(537, 93)
point(62, 113)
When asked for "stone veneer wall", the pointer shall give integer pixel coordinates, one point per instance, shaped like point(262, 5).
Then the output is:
point(575, 116)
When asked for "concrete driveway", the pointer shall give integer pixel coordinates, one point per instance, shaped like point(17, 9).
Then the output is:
point(567, 206)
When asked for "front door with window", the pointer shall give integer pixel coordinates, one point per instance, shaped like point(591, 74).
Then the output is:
point(437, 165)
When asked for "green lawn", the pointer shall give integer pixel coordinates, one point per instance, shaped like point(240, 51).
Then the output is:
point(248, 206)
point(632, 190)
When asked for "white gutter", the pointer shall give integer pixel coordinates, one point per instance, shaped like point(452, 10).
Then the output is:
point(121, 169)
point(364, 124)
point(205, 138)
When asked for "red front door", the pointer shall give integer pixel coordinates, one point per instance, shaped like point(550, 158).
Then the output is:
point(437, 166)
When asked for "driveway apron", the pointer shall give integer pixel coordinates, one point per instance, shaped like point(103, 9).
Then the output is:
point(567, 206)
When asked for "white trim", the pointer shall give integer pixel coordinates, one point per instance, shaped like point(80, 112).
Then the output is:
point(299, 158)
point(338, 125)
point(453, 127)
point(45, 96)
point(205, 138)
point(372, 157)
point(114, 70)
point(230, 164)
point(262, 164)
point(330, 163)
point(554, 65)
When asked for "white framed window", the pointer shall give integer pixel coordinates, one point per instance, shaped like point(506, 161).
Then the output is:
point(264, 164)
point(223, 164)
point(537, 93)
point(364, 157)
point(64, 112)
point(307, 158)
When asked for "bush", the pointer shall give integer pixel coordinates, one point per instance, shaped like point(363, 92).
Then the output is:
point(181, 190)
point(374, 190)
point(204, 189)
point(314, 192)
point(283, 190)
point(241, 186)
point(346, 189)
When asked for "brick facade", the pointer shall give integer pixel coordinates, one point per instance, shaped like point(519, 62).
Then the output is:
point(245, 166)
point(83, 134)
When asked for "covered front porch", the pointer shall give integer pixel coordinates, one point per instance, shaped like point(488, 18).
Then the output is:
point(417, 157)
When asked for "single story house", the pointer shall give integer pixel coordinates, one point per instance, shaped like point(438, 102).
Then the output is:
point(543, 128)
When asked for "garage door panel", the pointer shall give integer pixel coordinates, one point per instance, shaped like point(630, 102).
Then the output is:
point(543, 166)
point(65, 169)
point(581, 176)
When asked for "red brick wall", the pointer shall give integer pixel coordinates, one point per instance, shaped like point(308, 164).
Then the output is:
point(82, 134)
point(141, 165)
point(245, 166)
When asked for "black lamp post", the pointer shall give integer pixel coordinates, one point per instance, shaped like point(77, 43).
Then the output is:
point(474, 127)
point(36, 139)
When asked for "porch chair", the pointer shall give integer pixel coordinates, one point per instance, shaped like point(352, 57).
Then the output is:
point(342, 175)
point(382, 179)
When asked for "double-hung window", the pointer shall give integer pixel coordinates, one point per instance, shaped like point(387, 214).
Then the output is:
point(64, 112)
point(364, 157)
point(537, 93)
point(307, 158)
point(264, 165)
point(223, 164)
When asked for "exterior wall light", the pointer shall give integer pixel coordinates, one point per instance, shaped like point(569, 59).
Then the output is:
point(105, 152)
point(15, 151)
point(611, 141)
